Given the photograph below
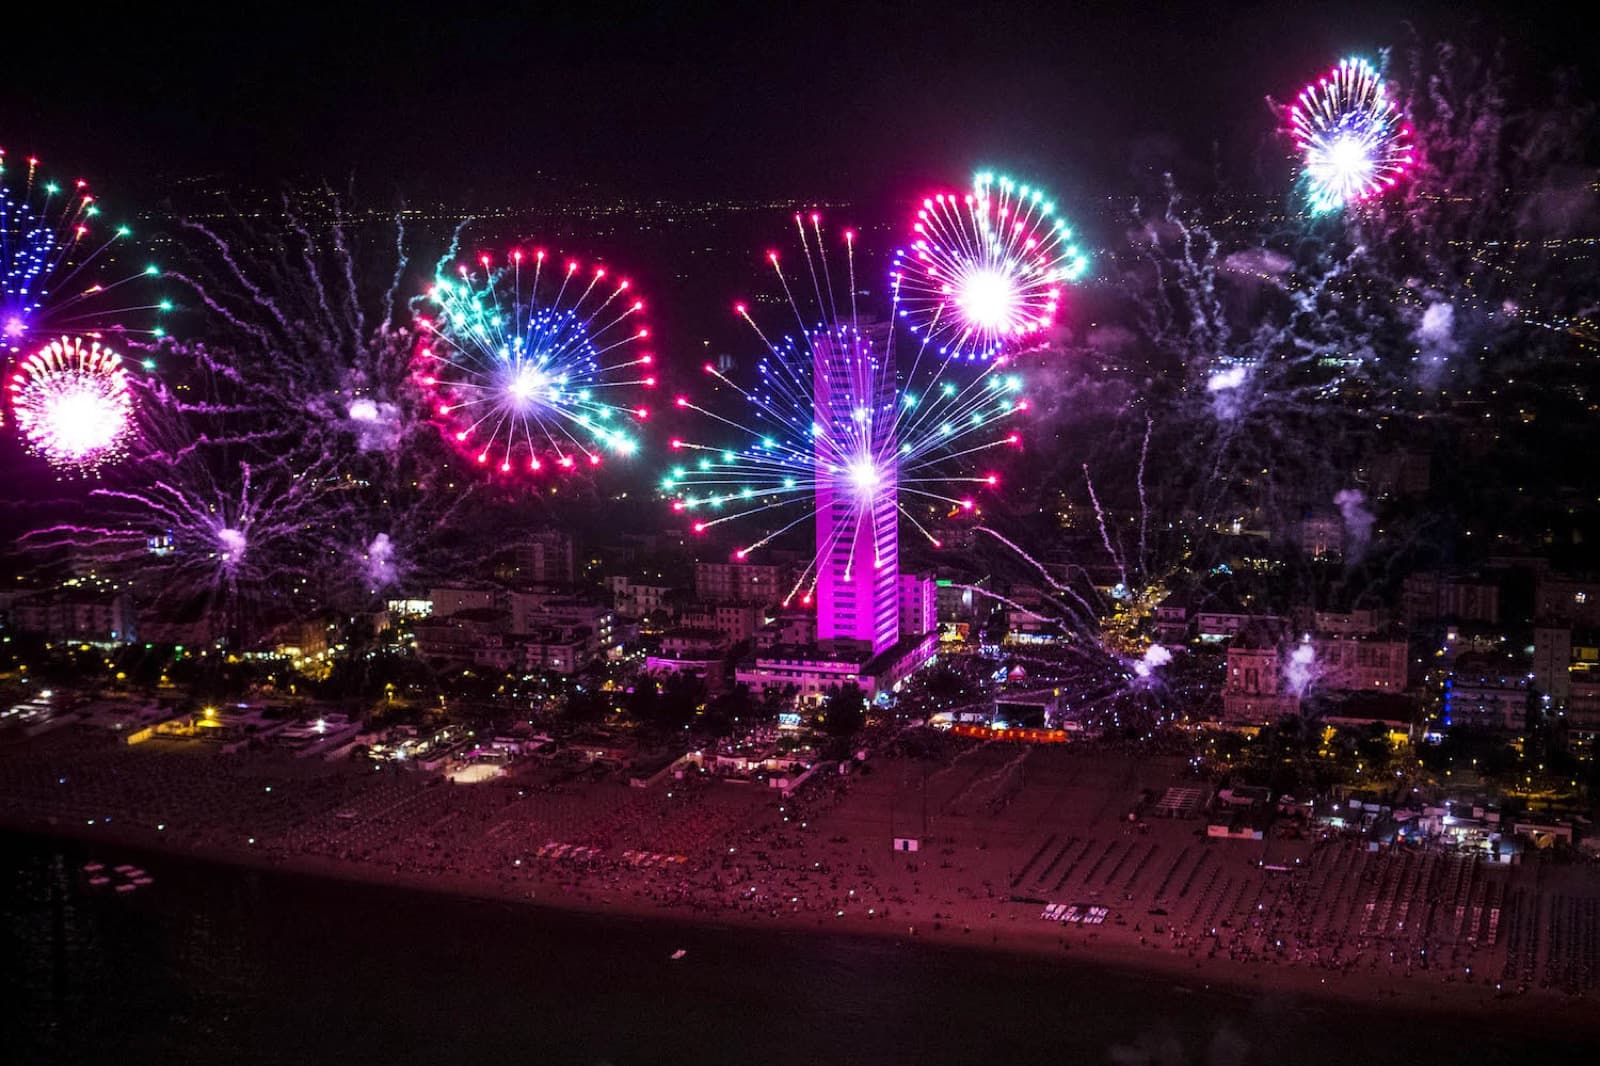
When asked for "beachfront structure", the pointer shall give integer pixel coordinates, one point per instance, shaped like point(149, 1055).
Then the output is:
point(812, 671)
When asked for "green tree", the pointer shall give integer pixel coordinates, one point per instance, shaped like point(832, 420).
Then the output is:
point(844, 711)
point(585, 705)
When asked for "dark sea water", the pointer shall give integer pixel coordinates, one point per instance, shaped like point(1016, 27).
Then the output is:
point(217, 965)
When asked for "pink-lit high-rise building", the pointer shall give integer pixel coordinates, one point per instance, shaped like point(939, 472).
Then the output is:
point(858, 545)
point(874, 625)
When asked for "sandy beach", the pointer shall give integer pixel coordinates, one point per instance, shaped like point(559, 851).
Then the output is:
point(1202, 913)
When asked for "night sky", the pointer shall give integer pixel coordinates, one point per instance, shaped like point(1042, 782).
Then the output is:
point(426, 101)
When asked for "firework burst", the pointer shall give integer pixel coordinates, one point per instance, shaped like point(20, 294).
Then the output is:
point(1353, 140)
point(233, 545)
point(73, 404)
point(59, 269)
point(1104, 626)
point(305, 368)
point(534, 364)
point(831, 431)
point(228, 540)
point(292, 357)
point(985, 269)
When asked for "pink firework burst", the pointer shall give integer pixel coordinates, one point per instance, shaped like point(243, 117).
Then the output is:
point(73, 404)
point(985, 268)
point(1353, 140)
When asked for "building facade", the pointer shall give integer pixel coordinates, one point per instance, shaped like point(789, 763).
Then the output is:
point(85, 612)
point(637, 595)
point(740, 581)
point(453, 599)
point(546, 558)
point(919, 604)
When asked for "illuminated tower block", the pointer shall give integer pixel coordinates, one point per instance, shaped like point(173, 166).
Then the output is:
point(858, 556)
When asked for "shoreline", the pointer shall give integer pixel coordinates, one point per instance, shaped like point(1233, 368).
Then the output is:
point(1020, 935)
